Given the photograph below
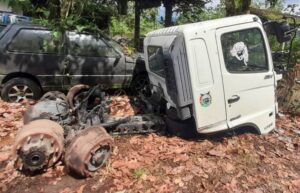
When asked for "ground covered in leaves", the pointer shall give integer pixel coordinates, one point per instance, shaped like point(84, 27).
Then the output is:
point(156, 163)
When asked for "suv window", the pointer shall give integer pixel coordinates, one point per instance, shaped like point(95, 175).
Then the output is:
point(88, 45)
point(244, 51)
point(2, 28)
point(34, 41)
point(156, 60)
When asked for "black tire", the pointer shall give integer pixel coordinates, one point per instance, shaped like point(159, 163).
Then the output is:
point(19, 89)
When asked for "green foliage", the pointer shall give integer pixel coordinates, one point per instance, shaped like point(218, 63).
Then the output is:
point(19, 5)
point(184, 6)
point(124, 26)
point(201, 14)
point(296, 50)
point(274, 44)
point(138, 173)
point(61, 15)
point(276, 4)
point(277, 47)
point(148, 21)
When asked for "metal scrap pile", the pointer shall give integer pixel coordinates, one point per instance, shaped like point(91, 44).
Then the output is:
point(64, 127)
point(75, 128)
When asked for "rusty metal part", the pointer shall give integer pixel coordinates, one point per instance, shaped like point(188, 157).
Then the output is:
point(54, 95)
point(47, 109)
point(39, 145)
point(88, 151)
point(139, 124)
point(73, 91)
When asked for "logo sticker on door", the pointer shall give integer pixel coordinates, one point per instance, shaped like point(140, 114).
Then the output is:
point(205, 99)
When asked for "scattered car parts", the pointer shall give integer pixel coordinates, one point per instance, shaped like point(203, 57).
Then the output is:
point(39, 145)
point(77, 125)
point(88, 151)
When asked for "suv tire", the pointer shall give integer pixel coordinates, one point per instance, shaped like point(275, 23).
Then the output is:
point(19, 89)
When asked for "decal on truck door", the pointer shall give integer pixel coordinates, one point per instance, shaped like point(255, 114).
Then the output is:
point(240, 51)
point(205, 99)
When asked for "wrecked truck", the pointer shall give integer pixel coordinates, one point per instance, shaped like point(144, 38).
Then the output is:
point(208, 77)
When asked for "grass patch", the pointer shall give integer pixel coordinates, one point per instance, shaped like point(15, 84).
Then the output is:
point(138, 173)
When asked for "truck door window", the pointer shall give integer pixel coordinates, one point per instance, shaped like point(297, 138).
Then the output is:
point(156, 60)
point(244, 51)
point(34, 41)
point(88, 45)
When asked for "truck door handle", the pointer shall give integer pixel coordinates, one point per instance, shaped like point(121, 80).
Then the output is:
point(269, 76)
point(233, 99)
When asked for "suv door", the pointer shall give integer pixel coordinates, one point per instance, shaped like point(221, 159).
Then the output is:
point(92, 61)
point(36, 52)
point(248, 77)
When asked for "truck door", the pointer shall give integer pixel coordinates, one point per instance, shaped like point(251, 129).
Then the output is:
point(248, 77)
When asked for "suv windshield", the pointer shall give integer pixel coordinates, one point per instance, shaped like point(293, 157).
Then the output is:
point(116, 45)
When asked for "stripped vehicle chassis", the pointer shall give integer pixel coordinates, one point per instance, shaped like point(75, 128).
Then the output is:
point(77, 129)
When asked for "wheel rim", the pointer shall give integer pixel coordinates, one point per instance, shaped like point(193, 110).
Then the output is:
point(38, 145)
point(98, 158)
point(19, 93)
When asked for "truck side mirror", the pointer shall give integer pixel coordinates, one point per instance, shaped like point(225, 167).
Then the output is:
point(280, 30)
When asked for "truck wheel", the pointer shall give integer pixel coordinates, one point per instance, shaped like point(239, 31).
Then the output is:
point(182, 128)
point(38, 146)
point(19, 89)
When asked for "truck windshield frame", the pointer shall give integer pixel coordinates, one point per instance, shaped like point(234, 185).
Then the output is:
point(244, 51)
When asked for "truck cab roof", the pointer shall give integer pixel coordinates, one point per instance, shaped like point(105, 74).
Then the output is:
point(206, 25)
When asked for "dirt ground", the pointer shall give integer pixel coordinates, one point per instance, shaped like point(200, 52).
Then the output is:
point(155, 163)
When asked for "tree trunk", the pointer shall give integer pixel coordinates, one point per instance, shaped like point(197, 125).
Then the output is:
point(65, 6)
point(54, 7)
point(137, 24)
point(168, 17)
point(273, 3)
point(123, 7)
point(242, 8)
point(230, 7)
point(245, 9)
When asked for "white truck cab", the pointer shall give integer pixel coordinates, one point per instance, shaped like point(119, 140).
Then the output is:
point(219, 73)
